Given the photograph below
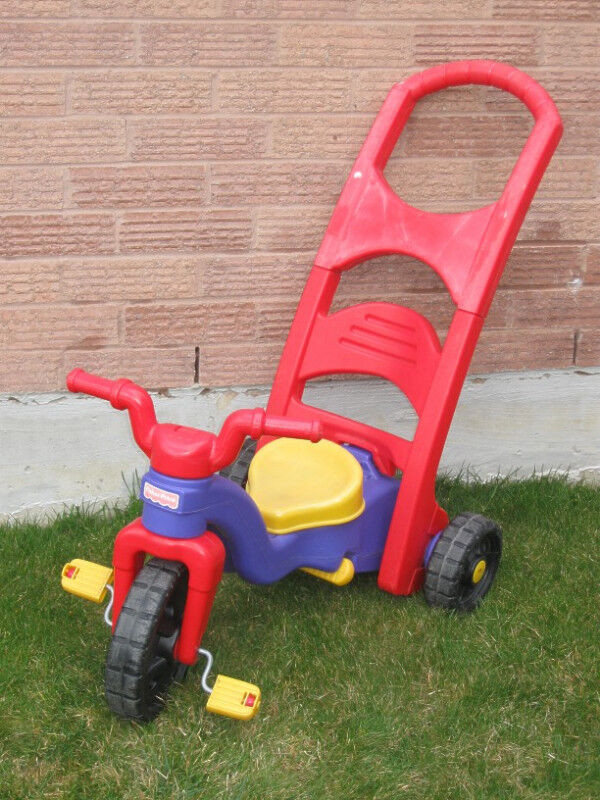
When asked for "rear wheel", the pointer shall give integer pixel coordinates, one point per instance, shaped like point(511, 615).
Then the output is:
point(464, 562)
point(140, 667)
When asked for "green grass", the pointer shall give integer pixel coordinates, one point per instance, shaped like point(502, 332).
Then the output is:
point(365, 696)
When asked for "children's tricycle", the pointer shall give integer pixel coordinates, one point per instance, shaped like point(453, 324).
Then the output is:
point(322, 493)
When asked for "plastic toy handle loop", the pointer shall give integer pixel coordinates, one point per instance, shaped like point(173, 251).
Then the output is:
point(402, 98)
point(485, 73)
point(122, 394)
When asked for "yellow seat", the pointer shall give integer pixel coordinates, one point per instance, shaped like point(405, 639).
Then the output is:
point(297, 484)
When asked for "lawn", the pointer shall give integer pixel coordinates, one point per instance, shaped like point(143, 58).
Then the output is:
point(365, 696)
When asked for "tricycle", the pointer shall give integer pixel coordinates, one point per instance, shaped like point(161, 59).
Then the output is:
point(319, 492)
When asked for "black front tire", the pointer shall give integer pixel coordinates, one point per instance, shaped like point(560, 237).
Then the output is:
point(464, 563)
point(140, 667)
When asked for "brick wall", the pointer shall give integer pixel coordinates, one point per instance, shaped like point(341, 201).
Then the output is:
point(168, 168)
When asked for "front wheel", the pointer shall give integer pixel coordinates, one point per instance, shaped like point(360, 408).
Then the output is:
point(464, 562)
point(140, 667)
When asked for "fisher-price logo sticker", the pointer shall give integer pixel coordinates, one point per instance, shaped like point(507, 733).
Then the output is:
point(161, 496)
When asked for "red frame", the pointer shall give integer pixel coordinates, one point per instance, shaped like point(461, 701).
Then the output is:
point(204, 557)
point(467, 250)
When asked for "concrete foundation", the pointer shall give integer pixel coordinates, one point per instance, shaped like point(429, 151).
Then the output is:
point(59, 450)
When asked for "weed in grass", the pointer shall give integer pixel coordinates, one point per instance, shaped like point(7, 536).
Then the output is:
point(366, 696)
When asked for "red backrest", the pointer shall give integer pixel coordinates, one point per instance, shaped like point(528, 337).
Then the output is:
point(468, 251)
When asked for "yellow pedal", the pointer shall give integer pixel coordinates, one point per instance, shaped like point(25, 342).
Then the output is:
point(86, 579)
point(233, 698)
point(343, 574)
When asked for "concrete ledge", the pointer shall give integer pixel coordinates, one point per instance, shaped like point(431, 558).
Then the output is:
point(59, 450)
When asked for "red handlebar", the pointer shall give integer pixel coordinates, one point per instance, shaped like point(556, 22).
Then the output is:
point(121, 394)
point(187, 452)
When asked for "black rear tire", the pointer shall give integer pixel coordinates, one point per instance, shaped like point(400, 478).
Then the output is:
point(238, 470)
point(464, 563)
point(140, 667)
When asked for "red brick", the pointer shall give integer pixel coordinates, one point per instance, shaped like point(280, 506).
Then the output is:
point(49, 44)
point(580, 135)
point(573, 91)
point(501, 350)
point(562, 10)
point(274, 183)
point(129, 278)
point(35, 8)
point(437, 43)
point(143, 186)
point(30, 371)
point(282, 90)
point(56, 234)
point(293, 228)
point(566, 177)
point(553, 308)
point(30, 282)
point(141, 92)
point(207, 44)
point(543, 266)
point(61, 141)
point(575, 220)
point(151, 367)
point(428, 182)
point(139, 9)
point(189, 323)
point(32, 94)
point(460, 136)
point(30, 188)
point(387, 278)
point(177, 140)
point(332, 44)
point(572, 45)
point(319, 136)
point(287, 9)
point(274, 320)
point(58, 327)
point(424, 9)
point(592, 265)
point(185, 231)
point(246, 364)
point(254, 275)
point(588, 348)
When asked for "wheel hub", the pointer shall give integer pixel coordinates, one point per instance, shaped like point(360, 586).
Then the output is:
point(478, 571)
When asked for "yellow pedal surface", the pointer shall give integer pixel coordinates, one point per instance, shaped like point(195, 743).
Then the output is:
point(233, 698)
point(86, 579)
point(343, 574)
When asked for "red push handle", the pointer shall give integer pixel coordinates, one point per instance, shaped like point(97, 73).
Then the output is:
point(486, 73)
point(469, 249)
point(402, 98)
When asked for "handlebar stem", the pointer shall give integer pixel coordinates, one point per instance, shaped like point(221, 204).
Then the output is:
point(137, 401)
